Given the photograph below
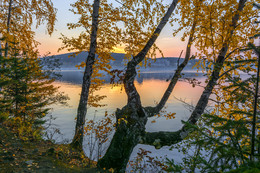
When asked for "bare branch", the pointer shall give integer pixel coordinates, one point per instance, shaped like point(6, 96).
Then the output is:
point(187, 105)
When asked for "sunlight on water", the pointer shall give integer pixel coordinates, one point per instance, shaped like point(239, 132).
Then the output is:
point(150, 88)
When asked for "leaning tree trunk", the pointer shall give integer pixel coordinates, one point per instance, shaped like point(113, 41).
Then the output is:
point(159, 139)
point(82, 108)
point(128, 133)
point(203, 101)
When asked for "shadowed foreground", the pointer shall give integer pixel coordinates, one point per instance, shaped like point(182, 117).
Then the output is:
point(39, 156)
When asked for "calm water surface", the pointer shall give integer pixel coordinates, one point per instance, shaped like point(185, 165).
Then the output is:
point(151, 87)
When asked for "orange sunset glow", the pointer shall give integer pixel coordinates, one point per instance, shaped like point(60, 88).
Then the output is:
point(146, 89)
point(170, 46)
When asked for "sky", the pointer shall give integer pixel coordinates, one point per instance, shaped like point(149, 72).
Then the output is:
point(170, 46)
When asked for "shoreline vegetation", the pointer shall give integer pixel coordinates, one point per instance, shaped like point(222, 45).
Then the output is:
point(222, 33)
point(17, 155)
point(43, 156)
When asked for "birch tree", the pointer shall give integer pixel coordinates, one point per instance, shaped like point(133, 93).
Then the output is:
point(93, 40)
point(221, 28)
point(104, 19)
point(17, 19)
point(216, 28)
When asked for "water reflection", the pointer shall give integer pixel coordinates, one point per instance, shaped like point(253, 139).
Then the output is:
point(75, 76)
point(151, 87)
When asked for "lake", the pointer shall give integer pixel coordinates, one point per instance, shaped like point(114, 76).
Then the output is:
point(150, 86)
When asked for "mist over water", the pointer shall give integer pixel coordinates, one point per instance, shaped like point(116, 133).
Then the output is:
point(151, 87)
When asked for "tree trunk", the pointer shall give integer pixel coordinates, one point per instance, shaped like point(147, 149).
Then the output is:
point(132, 94)
point(127, 136)
point(82, 108)
point(252, 154)
point(204, 98)
point(8, 25)
point(177, 73)
point(159, 139)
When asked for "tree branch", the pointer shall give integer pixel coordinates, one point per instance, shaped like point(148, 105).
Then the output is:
point(177, 74)
point(132, 94)
point(231, 69)
point(203, 101)
point(159, 139)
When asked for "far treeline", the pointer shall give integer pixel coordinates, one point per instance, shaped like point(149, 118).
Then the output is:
point(68, 61)
point(223, 138)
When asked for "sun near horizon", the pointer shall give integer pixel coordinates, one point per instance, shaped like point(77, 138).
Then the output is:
point(170, 46)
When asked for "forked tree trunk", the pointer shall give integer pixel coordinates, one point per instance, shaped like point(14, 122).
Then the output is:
point(82, 108)
point(128, 134)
